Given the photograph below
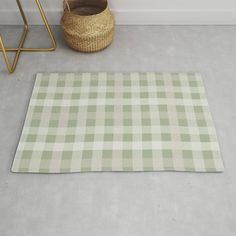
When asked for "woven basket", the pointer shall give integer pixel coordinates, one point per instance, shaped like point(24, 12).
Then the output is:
point(88, 25)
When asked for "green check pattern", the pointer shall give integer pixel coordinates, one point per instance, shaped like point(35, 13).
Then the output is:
point(118, 122)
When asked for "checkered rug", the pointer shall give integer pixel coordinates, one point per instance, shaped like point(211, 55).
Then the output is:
point(118, 122)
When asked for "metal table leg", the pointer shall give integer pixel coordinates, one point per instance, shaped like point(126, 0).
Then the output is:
point(11, 67)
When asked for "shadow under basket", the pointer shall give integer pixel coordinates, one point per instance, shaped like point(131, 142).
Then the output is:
point(87, 25)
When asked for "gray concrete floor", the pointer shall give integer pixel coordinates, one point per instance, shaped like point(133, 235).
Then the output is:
point(120, 204)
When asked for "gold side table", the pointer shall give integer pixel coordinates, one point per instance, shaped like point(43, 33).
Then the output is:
point(11, 67)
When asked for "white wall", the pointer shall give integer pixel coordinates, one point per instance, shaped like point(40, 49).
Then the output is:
point(137, 11)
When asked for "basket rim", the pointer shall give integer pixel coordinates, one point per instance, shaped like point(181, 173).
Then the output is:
point(93, 15)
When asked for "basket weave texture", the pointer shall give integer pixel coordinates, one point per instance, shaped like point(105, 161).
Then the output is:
point(88, 26)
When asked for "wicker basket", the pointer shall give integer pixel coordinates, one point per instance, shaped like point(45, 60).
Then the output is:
point(88, 25)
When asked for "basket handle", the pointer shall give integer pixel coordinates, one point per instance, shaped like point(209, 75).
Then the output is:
point(67, 6)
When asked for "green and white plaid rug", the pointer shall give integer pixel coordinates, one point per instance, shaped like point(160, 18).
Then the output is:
point(118, 122)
